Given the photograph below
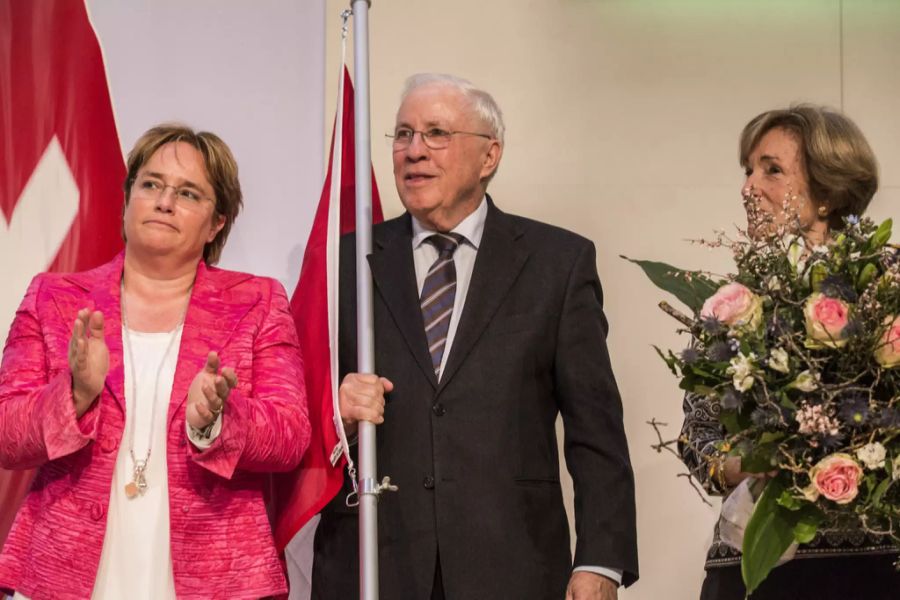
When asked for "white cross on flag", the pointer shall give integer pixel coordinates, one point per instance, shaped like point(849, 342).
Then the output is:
point(61, 167)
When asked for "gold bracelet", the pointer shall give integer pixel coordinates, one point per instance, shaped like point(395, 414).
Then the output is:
point(717, 470)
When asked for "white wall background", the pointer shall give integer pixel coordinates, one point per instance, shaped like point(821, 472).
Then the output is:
point(622, 124)
point(251, 72)
point(622, 116)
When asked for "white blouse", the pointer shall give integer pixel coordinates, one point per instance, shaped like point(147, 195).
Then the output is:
point(136, 561)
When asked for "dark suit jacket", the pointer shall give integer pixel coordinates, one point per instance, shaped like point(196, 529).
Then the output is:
point(475, 456)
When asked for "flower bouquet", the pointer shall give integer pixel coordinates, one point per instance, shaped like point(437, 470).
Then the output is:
point(800, 351)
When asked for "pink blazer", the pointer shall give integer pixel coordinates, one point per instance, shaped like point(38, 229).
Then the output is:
point(221, 540)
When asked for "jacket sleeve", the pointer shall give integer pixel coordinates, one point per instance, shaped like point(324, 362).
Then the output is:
point(698, 440)
point(266, 429)
point(37, 413)
point(595, 446)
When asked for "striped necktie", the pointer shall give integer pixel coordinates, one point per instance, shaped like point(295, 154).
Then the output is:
point(438, 294)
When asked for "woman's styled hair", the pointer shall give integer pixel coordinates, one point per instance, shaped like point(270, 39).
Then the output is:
point(839, 163)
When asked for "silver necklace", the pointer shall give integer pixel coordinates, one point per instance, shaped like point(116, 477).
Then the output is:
point(138, 484)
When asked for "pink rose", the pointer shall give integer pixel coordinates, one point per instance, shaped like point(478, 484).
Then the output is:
point(837, 478)
point(887, 353)
point(734, 305)
point(826, 320)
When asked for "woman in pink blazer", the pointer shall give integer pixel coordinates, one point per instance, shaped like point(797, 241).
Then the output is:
point(154, 345)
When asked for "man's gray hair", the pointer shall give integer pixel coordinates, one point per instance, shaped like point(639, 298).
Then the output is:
point(482, 102)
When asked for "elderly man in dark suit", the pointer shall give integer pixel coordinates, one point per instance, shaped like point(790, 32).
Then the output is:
point(487, 326)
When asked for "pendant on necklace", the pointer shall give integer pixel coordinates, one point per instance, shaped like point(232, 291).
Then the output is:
point(131, 490)
point(138, 485)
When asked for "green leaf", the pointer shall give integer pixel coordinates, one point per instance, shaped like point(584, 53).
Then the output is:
point(786, 402)
point(729, 420)
point(771, 436)
point(866, 276)
point(881, 235)
point(789, 501)
point(769, 533)
point(880, 490)
point(805, 529)
point(704, 390)
point(759, 459)
point(817, 274)
point(669, 359)
point(690, 287)
point(688, 382)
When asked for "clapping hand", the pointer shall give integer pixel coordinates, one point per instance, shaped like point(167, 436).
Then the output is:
point(88, 359)
point(208, 392)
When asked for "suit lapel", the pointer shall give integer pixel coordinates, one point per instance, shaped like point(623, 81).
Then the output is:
point(497, 265)
point(212, 316)
point(102, 285)
point(394, 274)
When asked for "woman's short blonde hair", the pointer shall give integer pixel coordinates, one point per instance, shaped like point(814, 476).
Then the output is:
point(221, 169)
point(839, 163)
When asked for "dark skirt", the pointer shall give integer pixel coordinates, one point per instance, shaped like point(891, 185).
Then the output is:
point(833, 578)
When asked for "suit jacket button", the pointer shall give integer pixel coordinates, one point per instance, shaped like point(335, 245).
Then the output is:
point(96, 511)
point(428, 482)
point(108, 444)
point(185, 508)
point(439, 410)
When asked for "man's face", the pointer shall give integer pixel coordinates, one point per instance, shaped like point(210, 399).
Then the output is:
point(440, 187)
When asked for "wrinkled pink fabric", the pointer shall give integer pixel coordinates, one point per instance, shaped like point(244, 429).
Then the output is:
point(221, 540)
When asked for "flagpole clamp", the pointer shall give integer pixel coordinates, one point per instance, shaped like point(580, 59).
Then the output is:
point(369, 486)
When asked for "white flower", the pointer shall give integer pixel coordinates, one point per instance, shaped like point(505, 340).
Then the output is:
point(778, 360)
point(741, 369)
point(806, 382)
point(872, 456)
point(896, 473)
point(774, 284)
point(812, 419)
point(796, 253)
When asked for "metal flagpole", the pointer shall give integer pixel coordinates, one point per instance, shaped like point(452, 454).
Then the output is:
point(365, 327)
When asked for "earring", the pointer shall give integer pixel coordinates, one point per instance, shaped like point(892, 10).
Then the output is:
point(823, 211)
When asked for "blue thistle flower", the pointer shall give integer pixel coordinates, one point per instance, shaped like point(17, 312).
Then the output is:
point(831, 443)
point(720, 352)
point(732, 399)
point(836, 286)
point(888, 418)
point(712, 326)
point(689, 356)
point(854, 410)
point(765, 418)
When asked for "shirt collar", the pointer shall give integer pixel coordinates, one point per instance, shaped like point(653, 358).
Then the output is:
point(472, 227)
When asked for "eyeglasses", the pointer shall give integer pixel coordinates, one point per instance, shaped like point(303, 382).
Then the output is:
point(153, 188)
point(434, 138)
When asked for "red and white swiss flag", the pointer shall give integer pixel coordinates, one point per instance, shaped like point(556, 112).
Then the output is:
point(61, 166)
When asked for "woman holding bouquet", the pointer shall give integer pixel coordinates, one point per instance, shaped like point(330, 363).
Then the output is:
point(807, 170)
